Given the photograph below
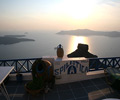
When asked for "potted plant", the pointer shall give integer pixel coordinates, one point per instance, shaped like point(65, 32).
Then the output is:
point(42, 74)
point(19, 76)
point(34, 87)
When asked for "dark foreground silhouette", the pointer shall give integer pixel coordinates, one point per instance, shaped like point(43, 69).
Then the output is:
point(82, 51)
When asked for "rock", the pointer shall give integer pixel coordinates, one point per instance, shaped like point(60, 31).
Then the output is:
point(82, 51)
point(83, 47)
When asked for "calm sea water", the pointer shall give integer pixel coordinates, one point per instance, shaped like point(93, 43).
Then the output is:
point(45, 42)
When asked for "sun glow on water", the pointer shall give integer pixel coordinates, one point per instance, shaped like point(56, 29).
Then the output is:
point(75, 40)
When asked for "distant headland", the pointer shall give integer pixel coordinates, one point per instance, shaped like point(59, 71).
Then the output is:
point(87, 32)
point(12, 39)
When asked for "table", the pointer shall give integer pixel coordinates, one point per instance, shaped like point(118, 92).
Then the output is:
point(4, 72)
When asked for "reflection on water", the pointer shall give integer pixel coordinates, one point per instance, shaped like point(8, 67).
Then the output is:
point(75, 40)
point(44, 44)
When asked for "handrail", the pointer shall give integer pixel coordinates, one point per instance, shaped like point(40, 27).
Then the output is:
point(24, 65)
point(21, 65)
point(102, 63)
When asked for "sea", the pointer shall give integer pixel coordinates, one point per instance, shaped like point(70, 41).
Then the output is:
point(46, 42)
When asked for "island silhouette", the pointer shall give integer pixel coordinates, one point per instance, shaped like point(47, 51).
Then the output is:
point(12, 39)
point(87, 32)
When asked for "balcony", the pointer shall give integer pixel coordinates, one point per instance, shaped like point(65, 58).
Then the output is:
point(90, 89)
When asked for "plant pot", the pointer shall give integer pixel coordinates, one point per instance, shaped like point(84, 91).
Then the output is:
point(32, 92)
point(19, 77)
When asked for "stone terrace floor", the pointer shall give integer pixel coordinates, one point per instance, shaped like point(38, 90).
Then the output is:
point(94, 89)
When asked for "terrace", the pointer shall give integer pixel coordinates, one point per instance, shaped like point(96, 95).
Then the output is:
point(90, 89)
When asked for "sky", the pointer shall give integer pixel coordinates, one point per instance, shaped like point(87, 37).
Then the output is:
point(101, 15)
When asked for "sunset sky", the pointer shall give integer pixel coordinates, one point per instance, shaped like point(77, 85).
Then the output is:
point(59, 15)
